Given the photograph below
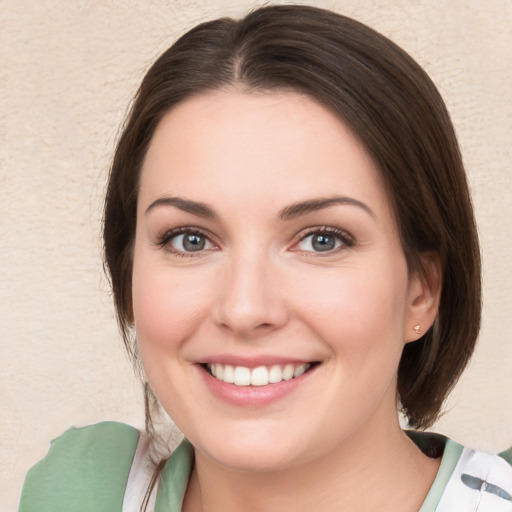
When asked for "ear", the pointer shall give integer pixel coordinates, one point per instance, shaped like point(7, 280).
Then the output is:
point(424, 296)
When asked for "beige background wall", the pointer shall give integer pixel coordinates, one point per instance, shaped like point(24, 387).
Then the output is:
point(67, 72)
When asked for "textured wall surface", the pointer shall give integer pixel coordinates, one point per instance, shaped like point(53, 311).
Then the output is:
point(67, 73)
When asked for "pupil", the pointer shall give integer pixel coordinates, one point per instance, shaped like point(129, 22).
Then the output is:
point(193, 243)
point(323, 243)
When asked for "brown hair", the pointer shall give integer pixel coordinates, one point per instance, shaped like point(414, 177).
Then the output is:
point(390, 104)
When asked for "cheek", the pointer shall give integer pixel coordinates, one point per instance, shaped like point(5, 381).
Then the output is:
point(166, 308)
point(357, 310)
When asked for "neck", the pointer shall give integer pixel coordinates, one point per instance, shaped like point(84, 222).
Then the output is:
point(374, 470)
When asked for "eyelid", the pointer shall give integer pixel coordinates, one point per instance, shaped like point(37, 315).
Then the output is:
point(164, 240)
point(347, 240)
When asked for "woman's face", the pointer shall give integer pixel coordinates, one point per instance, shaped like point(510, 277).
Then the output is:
point(265, 248)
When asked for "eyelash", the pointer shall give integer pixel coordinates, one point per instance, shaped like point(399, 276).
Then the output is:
point(164, 241)
point(347, 240)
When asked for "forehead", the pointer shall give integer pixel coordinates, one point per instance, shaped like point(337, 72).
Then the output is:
point(282, 145)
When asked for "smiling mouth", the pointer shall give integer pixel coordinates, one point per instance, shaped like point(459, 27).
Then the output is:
point(259, 376)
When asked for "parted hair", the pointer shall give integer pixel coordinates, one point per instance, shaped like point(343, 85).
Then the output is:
point(391, 106)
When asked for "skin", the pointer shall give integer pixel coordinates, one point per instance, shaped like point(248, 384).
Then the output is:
point(260, 289)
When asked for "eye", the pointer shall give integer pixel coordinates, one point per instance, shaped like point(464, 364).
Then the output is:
point(319, 242)
point(324, 240)
point(185, 241)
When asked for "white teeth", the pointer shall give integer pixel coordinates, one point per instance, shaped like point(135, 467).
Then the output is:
point(275, 374)
point(229, 374)
point(260, 376)
point(288, 372)
point(219, 371)
point(242, 376)
point(299, 370)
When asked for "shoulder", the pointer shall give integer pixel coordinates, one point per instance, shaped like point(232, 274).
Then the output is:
point(480, 481)
point(467, 480)
point(85, 469)
point(507, 455)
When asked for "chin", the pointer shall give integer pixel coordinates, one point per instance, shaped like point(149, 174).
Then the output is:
point(256, 459)
point(258, 449)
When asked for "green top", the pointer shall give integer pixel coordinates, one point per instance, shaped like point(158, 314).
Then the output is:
point(86, 469)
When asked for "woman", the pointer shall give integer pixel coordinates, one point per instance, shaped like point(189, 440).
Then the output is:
point(293, 254)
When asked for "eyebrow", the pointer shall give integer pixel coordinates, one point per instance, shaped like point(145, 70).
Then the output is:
point(194, 207)
point(312, 205)
point(288, 213)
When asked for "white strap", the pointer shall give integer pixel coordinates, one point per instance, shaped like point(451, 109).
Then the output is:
point(140, 477)
point(480, 482)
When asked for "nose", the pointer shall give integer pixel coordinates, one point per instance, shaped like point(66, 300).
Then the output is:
point(250, 300)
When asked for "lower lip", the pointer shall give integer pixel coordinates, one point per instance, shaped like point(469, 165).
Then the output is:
point(253, 396)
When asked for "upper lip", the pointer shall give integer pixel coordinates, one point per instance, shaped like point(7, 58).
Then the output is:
point(254, 361)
